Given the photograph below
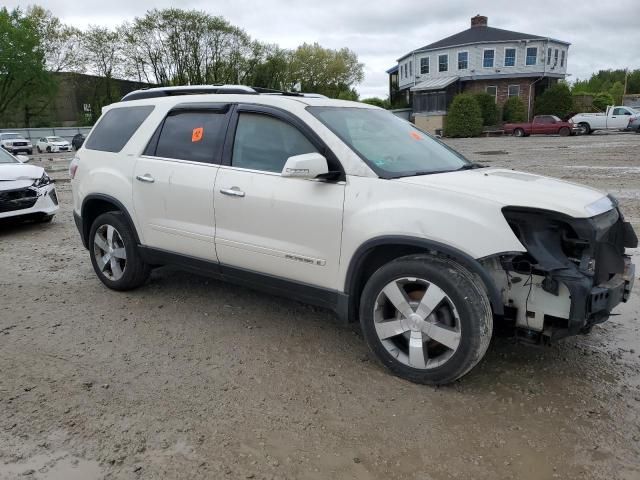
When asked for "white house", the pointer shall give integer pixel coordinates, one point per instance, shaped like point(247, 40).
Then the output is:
point(500, 62)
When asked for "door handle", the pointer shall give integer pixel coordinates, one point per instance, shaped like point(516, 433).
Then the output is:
point(233, 192)
point(145, 178)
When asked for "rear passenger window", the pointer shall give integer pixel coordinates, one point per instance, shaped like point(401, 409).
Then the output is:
point(265, 143)
point(116, 128)
point(195, 136)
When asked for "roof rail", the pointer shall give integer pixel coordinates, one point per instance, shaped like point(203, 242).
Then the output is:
point(156, 92)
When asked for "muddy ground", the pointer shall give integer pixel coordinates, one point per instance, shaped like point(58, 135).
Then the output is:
point(192, 378)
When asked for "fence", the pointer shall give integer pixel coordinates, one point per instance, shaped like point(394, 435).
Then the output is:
point(34, 134)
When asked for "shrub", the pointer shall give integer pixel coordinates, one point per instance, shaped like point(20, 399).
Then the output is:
point(514, 110)
point(378, 102)
point(602, 100)
point(488, 108)
point(464, 118)
point(556, 100)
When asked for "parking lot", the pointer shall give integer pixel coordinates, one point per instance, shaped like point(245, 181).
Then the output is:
point(188, 377)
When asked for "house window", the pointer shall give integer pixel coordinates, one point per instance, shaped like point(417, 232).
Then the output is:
point(514, 91)
point(549, 57)
point(405, 71)
point(509, 57)
point(424, 66)
point(463, 60)
point(430, 102)
point(411, 69)
point(532, 55)
point(493, 91)
point(443, 63)
point(562, 53)
point(555, 58)
point(487, 58)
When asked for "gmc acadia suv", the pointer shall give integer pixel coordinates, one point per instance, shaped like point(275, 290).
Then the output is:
point(343, 205)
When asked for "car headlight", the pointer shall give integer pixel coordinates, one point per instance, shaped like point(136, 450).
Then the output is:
point(42, 181)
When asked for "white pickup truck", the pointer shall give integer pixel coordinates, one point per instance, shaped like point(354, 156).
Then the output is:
point(615, 118)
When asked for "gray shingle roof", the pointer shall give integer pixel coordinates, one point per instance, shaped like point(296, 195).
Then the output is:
point(480, 34)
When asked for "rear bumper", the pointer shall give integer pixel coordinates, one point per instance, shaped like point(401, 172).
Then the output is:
point(79, 225)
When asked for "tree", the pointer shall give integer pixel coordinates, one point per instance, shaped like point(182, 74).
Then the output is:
point(102, 54)
point(602, 100)
point(617, 91)
point(514, 110)
point(488, 108)
point(22, 61)
point(378, 102)
point(555, 100)
point(464, 118)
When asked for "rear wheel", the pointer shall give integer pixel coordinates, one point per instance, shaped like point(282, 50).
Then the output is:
point(114, 253)
point(518, 132)
point(426, 318)
point(585, 129)
point(564, 132)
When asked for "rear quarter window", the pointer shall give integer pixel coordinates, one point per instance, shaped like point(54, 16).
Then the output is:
point(116, 128)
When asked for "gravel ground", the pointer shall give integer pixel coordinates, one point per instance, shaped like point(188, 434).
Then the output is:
point(192, 378)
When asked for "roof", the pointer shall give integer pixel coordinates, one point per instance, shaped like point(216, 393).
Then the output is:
point(393, 69)
point(434, 84)
point(481, 34)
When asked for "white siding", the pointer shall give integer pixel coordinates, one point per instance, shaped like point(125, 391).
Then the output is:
point(475, 61)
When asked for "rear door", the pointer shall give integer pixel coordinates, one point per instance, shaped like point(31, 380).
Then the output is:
point(281, 226)
point(174, 180)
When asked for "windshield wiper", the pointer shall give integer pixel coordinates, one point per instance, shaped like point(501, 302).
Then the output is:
point(470, 166)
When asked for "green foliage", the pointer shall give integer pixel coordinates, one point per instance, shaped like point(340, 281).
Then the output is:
point(464, 118)
point(616, 91)
point(23, 76)
point(602, 100)
point(378, 102)
point(514, 110)
point(556, 100)
point(604, 80)
point(488, 108)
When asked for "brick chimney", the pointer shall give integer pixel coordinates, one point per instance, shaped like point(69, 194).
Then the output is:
point(479, 21)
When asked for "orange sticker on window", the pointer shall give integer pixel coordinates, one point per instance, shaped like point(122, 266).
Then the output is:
point(415, 135)
point(197, 134)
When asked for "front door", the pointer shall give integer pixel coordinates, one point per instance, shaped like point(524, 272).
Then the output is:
point(174, 180)
point(282, 226)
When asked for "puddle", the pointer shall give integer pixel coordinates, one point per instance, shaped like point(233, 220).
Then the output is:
point(492, 152)
point(54, 466)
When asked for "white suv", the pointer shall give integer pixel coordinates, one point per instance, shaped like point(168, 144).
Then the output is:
point(346, 206)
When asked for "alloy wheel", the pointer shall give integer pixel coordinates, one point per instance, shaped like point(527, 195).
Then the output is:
point(417, 323)
point(109, 252)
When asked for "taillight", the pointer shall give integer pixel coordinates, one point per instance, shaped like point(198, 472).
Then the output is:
point(73, 167)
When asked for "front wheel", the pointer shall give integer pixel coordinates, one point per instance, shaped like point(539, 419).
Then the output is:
point(564, 132)
point(114, 253)
point(426, 318)
point(518, 132)
point(585, 129)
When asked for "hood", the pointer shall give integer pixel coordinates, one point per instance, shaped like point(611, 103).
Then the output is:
point(19, 171)
point(519, 189)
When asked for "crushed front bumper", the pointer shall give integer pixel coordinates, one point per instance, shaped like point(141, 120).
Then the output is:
point(606, 296)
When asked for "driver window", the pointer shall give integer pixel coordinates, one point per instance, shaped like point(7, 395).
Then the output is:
point(265, 143)
point(621, 111)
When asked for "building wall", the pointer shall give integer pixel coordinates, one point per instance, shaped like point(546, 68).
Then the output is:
point(544, 64)
point(480, 86)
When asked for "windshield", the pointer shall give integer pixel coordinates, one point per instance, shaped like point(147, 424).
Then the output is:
point(392, 147)
point(55, 139)
point(11, 136)
point(6, 157)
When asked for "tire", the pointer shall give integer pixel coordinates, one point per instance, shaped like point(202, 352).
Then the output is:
point(30, 152)
point(48, 149)
point(586, 129)
point(38, 149)
point(518, 132)
point(564, 132)
point(125, 270)
point(462, 318)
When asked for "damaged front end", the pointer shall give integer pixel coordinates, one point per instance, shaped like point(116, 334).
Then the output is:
point(575, 271)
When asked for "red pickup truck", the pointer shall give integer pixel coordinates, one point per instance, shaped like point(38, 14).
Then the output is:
point(541, 125)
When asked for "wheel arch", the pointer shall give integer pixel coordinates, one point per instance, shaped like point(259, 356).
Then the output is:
point(96, 204)
point(378, 251)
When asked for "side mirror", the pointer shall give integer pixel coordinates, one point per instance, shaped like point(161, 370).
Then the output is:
point(22, 158)
point(307, 165)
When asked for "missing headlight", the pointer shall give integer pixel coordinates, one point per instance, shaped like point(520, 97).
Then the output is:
point(42, 181)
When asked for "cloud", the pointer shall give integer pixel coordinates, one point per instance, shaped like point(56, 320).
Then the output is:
point(379, 31)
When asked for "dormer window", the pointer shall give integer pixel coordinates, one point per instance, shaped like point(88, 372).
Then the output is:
point(488, 58)
point(532, 55)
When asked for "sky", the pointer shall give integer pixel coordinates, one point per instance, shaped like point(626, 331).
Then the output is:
point(603, 34)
